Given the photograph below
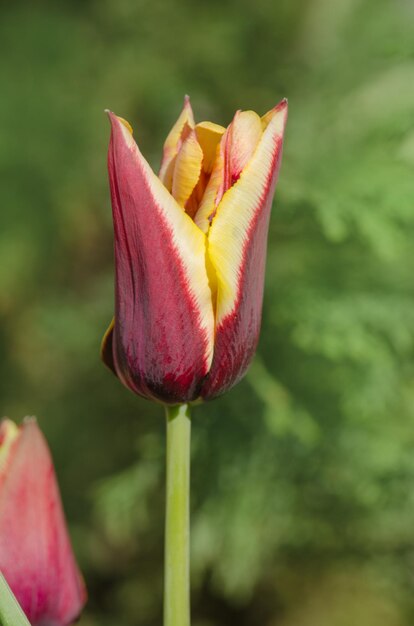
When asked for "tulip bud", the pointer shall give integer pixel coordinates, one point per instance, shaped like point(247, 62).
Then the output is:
point(36, 557)
point(190, 251)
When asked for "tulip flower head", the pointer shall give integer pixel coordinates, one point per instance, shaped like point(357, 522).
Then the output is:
point(35, 553)
point(190, 251)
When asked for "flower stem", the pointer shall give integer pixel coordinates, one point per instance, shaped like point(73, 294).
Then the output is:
point(177, 523)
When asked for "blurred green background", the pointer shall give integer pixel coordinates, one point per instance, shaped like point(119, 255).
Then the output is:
point(303, 476)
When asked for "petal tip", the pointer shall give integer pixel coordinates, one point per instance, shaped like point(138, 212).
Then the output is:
point(110, 114)
point(114, 119)
point(282, 107)
point(30, 419)
point(187, 106)
point(279, 113)
point(30, 428)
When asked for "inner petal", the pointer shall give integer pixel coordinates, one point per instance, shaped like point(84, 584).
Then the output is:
point(241, 140)
point(192, 167)
point(187, 169)
point(209, 200)
point(209, 136)
point(201, 162)
point(176, 137)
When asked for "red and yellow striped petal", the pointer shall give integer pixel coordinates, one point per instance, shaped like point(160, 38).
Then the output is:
point(174, 141)
point(237, 250)
point(162, 341)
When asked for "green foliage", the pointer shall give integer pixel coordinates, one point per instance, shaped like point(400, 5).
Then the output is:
point(302, 486)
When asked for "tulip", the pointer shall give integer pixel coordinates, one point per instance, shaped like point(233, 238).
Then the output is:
point(190, 249)
point(35, 553)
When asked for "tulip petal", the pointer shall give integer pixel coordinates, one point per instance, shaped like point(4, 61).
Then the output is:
point(9, 433)
point(107, 347)
point(209, 201)
point(209, 135)
point(242, 137)
point(237, 250)
point(236, 149)
point(164, 322)
point(173, 143)
point(267, 118)
point(187, 169)
point(35, 553)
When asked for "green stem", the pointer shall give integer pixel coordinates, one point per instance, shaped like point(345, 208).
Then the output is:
point(177, 523)
point(11, 613)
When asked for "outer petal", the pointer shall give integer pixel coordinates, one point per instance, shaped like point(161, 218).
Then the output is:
point(35, 553)
point(164, 322)
point(237, 249)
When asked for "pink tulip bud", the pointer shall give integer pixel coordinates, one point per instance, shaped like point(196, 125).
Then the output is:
point(36, 557)
point(190, 253)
